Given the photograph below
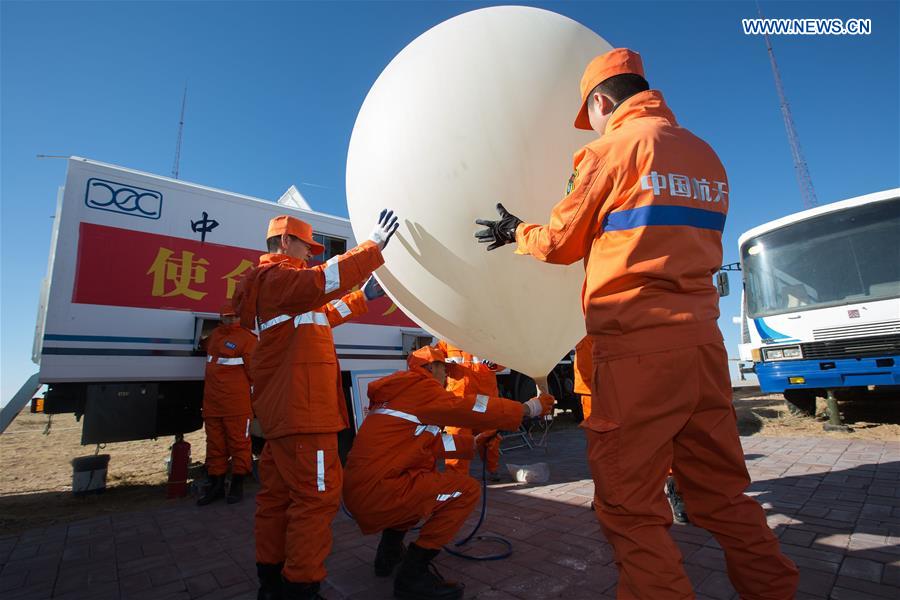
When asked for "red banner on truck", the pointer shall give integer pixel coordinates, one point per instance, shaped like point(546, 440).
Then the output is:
point(122, 267)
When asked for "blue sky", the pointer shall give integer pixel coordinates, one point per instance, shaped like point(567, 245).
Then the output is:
point(274, 89)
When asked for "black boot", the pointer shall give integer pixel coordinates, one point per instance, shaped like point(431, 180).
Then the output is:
point(269, 581)
point(235, 490)
point(215, 489)
point(418, 579)
point(676, 502)
point(300, 591)
point(390, 552)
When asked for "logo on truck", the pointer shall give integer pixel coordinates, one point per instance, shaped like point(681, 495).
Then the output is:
point(124, 199)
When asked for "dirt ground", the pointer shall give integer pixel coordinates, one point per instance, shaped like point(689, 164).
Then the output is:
point(36, 471)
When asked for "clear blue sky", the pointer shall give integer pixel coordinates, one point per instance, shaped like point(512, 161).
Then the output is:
point(274, 89)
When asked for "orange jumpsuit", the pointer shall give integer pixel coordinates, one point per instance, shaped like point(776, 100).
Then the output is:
point(391, 480)
point(299, 401)
point(646, 208)
point(582, 368)
point(226, 399)
point(467, 375)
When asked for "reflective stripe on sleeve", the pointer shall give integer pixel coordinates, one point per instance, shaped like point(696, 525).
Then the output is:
point(209, 358)
point(396, 413)
point(445, 497)
point(457, 360)
point(332, 275)
point(481, 402)
point(432, 429)
point(449, 444)
point(247, 431)
point(341, 307)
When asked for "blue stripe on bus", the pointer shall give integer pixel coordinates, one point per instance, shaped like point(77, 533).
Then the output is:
point(664, 215)
point(57, 337)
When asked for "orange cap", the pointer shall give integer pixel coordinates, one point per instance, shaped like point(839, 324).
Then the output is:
point(297, 228)
point(424, 356)
point(614, 62)
point(227, 310)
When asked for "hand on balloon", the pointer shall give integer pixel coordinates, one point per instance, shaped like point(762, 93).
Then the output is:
point(498, 233)
point(385, 228)
point(372, 289)
point(539, 406)
point(489, 364)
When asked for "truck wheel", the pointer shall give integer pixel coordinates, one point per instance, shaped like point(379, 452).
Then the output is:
point(801, 403)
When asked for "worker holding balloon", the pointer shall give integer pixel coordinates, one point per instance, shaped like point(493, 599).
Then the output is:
point(391, 479)
point(645, 210)
point(298, 398)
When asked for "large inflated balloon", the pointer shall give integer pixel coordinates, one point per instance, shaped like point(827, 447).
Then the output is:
point(475, 111)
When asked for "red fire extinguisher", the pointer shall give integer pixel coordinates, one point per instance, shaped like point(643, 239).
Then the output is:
point(178, 468)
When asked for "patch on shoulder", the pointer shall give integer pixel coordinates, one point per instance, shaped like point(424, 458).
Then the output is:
point(571, 185)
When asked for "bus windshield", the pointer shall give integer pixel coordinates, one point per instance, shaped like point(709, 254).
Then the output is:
point(843, 257)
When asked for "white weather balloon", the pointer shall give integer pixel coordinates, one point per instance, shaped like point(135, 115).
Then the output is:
point(475, 111)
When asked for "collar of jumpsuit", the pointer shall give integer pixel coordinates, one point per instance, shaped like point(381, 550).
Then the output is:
point(269, 259)
point(649, 103)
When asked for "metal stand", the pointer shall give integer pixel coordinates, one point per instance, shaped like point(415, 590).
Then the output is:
point(834, 416)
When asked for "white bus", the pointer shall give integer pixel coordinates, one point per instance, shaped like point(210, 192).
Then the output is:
point(821, 299)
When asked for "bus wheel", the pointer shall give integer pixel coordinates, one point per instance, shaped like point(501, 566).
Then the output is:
point(801, 403)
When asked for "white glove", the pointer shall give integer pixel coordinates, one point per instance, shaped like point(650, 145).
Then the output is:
point(539, 405)
point(386, 227)
point(533, 408)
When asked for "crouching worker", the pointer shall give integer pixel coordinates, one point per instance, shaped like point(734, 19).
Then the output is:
point(391, 480)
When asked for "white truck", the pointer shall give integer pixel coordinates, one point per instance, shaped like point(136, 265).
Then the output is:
point(139, 267)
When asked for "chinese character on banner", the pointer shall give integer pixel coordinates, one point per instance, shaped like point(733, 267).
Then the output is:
point(679, 185)
point(654, 181)
point(720, 192)
point(701, 190)
point(233, 277)
point(180, 272)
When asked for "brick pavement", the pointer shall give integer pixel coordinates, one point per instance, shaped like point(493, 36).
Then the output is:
point(834, 503)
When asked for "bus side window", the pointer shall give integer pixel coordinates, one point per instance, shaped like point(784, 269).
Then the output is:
point(333, 246)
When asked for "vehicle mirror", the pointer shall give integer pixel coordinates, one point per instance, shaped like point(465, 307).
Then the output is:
point(722, 283)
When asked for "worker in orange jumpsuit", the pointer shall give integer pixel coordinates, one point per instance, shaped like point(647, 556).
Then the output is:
point(469, 375)
point(582, 368)
point(226, 407)
point(298, 398)
point(645, 209)
point(391, 480)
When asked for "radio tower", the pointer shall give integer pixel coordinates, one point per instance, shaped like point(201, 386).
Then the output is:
point(803, 179)
point(180, 131)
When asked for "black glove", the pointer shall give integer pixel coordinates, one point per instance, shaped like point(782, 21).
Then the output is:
point(488, 363)
point(372, 289)
point(385, 228)
point(498, 233)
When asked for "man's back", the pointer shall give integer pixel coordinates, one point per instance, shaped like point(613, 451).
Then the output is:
point(658, 235)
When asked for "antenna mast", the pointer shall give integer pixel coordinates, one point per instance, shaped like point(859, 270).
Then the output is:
point(180, 132)
point(807, 192)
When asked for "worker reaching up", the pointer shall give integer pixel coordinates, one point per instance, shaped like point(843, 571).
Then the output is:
point(469, 375)
point(391, 479)
point(298, 398)
point(226, 407)
point(645, 208)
